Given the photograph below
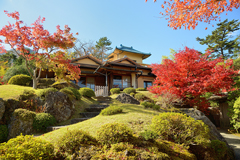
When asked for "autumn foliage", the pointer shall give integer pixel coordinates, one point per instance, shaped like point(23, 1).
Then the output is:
point(48, 49)
point(187, 13)
point(192, 74)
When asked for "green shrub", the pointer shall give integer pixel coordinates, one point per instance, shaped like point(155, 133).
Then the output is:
point(42, 121)
point(132, 94)
point(235, 118)
point(87, 92)
point(111, 133)
point(129, 90)
point(21, 79)
point(147, 104)
point(24, 114)
point(141, 89)
point(156, 107)
point(180, 128)
point(27, 94)
point(148, 135)
point(15, 70)
point(26, 147)
point(73, 140)
point(44, 92)
point(3, 133)
point(72, 92)
point(139, 96)
point(111, 110)
point(219, 147)
point(115, 90)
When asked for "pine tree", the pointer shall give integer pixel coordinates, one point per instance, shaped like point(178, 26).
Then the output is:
point(221, 41)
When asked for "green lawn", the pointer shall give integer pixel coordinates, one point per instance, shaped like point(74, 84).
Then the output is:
point(13, 91)
point(135, 116)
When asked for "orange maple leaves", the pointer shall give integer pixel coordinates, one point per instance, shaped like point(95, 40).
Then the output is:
point(187, 13)
point(20, 36)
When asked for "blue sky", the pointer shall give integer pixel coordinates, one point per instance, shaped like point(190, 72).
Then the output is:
point(127, 22)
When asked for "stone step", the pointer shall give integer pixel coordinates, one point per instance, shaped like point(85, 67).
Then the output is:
point(76, 120)
point(89, 114)
point(94, 109)
point(98, 105)
point(52, 128)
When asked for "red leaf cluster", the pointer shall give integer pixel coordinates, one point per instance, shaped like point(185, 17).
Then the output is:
point(187, 13)
point(192, 74)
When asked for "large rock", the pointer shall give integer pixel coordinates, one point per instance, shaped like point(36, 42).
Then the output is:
point(126, 98)
point(59, 105)
point(21, 122)
point(2, 108)
point(62, 85)
point(10, 106)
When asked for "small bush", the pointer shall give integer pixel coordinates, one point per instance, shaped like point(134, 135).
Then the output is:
point(219, 147)
point(73, 140)
point(235, 118)
point(139, 96)
point(27, 94)
point(24, 114)
point(156, 107)
point(111, 110)
point(132, 94)
point(3, 133)
point(115, 90)
point(129, 90)
point(87, 92)
point(180, 128)
point(147, 104)
point(148, 135)
point(26, 147)
point(112, 133)
point(15, 70)
point(23, 80)
point(72, 92)
point(44, 92)
point(141, 89)
point(42, 121)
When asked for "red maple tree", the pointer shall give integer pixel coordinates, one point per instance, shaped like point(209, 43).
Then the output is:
point(192, 74)
point(48, 49)
point(187, 13)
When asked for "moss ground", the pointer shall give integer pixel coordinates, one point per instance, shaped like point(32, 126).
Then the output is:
point(12, 91)
point(135, 116)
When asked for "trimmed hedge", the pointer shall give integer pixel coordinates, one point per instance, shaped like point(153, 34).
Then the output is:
point(111, 110)
point(129, 90)
point(147, 104)
point(23, 80)
point(42, 121)
point(26, 147)
point(112, 133)
point(87, 92)
point(180, 128)
point(115, 90)
point(141, 89)
point(139, 96)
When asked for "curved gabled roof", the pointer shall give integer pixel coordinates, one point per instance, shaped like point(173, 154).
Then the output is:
point(130, 49)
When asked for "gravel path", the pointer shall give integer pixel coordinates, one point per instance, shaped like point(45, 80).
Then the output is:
point(233, 141)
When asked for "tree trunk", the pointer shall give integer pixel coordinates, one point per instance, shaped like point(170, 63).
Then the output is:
point(34, 83)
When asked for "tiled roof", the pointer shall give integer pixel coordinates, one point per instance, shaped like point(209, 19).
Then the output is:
point(130, 49)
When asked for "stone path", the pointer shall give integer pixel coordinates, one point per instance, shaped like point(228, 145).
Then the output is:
point(233, 141)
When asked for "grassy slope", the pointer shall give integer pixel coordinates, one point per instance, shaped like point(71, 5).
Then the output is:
point(12, 91)
point(135, 116)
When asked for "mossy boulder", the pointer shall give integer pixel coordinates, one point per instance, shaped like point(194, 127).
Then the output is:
point(126, 98)
point(10, 106)
point(2, 108)
point(59, 105)
point(61, 85)
point(21, 122)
